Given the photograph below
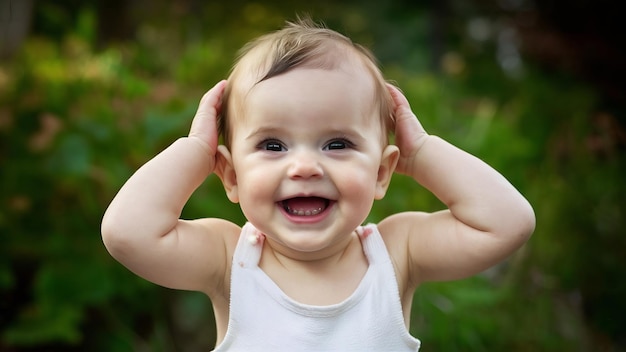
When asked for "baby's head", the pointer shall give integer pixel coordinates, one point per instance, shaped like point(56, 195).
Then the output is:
point(301, 44)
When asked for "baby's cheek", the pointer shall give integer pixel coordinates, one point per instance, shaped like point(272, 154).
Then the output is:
point(360, 192)
point(361, 184)
point(254, 196)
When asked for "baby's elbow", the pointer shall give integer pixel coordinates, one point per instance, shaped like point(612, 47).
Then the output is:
point(113, 237)
point(527, 221)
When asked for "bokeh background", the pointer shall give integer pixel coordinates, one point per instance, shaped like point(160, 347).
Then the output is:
point(90, 90)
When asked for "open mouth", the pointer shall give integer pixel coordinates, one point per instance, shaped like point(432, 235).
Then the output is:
point(305, 206)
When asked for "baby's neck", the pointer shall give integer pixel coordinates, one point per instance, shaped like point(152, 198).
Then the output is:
point(321, 281)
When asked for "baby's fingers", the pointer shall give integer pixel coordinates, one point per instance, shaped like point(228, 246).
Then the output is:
point(204, 124)
point(407, 124)
point(401, 107)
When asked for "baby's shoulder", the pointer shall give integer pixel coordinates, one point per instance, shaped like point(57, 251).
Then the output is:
point(221, 236)
point(399, 227)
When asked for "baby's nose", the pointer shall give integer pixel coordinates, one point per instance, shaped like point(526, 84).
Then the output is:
point(305, 165)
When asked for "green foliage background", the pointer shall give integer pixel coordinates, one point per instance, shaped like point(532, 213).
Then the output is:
point(79, 115)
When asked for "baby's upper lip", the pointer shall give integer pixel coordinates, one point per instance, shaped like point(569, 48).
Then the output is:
point(305, 195)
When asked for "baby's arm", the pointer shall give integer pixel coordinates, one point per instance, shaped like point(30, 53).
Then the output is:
point(141, 227)
point(487, 218)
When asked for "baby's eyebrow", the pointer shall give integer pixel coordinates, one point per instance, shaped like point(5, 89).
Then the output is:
point(265, 130)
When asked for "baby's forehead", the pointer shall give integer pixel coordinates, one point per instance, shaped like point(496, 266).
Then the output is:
point(340, 89)
point(253, 73)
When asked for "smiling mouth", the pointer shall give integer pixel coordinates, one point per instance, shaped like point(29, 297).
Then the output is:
point(305, 206)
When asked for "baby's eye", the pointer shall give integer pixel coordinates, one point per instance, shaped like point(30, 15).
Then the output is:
point(338, 144)
point(272, 145)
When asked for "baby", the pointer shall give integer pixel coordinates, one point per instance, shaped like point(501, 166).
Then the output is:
point(305, 118)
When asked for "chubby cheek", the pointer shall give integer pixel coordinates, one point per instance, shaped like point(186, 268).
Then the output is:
point(256, 193)
point(359, 191)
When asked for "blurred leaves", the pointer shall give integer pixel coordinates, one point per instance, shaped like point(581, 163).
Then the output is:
point(78, 117)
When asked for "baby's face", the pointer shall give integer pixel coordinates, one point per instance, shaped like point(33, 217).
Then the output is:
point(307, 153)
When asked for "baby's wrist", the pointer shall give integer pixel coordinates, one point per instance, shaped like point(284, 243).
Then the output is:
point(202, 145)
point(196, 151)
point(421, 159)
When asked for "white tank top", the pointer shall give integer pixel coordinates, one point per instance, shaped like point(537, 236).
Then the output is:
point(264, 318)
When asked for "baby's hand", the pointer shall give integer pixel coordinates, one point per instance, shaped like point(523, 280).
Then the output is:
point(410, 135)
point(204, 124)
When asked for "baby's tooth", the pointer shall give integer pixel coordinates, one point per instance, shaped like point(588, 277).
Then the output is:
point(304, 212)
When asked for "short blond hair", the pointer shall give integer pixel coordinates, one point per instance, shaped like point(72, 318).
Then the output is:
point(302, 43)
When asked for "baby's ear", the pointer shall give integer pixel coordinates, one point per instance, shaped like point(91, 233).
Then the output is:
point(226, 172)
point(388, 163)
